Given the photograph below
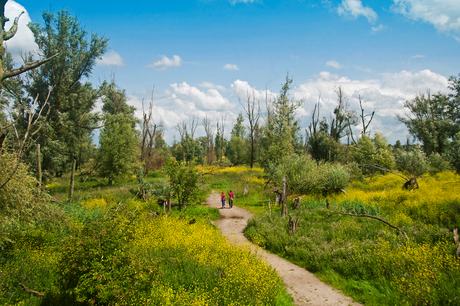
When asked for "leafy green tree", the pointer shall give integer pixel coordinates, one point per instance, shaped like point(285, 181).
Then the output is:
point(454, 153)
point(371, 151)
point(70, 123)
point(430, 120)
point(236, 147)
point(183, 182)
point(280, 134)
point(118, 139)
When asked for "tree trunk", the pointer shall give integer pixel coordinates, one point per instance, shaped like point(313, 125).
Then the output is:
point(293, 224)
point(169, 202)
point(246, 190)
point(72, 179)
point(284, 210)
point(39, 167)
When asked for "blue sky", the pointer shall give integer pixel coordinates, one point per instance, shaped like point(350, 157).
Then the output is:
point(203, 55)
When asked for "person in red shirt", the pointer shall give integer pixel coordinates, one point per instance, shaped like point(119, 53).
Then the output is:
point(223, 199)
point(231, 197)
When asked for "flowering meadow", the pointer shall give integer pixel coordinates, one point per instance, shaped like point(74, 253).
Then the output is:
point(119, 250)
point(366, 258)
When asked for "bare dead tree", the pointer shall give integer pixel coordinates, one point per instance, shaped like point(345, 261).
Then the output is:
point(24, 141)
point(210, 156)
point(252, 110)
point(223, 119)
point(149, 132)
point(342, 117)
point(181, 127)
point(363, 117)
point(193, 123)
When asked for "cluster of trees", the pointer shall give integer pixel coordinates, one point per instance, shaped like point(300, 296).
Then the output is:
point(48, 121)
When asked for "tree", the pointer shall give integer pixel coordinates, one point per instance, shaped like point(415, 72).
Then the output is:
point(280, 134)
point(371, 151)
point(209, 144)
point(343, 118)
point(252, 111)
point(67, 132)
point(149, 134)
point(118, 140)
point(236, 150)
point(183, 182)
point(431, 120)
point(6, 35)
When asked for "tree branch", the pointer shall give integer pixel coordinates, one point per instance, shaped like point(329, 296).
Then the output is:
point(369, 216)
point(24, 68)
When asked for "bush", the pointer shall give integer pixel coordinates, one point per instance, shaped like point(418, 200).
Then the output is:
point(22, 203)
point(98, 266)
point(438, 163)
point(415, 163)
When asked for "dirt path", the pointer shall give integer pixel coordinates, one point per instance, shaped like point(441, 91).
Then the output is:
point(304, 287)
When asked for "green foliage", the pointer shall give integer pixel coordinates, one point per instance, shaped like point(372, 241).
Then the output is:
point(67, 132)
point(305, 176)
point(373, 151)
point(432, 120)
point(23, 205)
point(98, 266)
point(438, 163)
point(367, 259)
point(414, 162)
point(183, 182)
point(454, 152)
point(280, 134)
point(118, 139)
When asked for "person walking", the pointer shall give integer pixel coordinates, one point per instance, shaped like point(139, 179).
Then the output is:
point(231, 197)
point(223, 199)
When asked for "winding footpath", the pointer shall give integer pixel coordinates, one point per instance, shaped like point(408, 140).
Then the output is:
point(305, 288)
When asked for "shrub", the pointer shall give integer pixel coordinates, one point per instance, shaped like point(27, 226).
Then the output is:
point(438, 163)
point(22, 203)
point(415, 163)
point(98, 266)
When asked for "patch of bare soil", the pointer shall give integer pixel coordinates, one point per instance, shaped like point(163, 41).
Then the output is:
point(305, 288)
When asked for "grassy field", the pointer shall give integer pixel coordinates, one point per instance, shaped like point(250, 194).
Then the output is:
point(111, 248)
point(367, 259)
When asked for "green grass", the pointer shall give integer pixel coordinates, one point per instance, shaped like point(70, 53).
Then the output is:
point(40, 258)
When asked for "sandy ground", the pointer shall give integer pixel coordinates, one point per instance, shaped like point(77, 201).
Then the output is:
point(304, 287)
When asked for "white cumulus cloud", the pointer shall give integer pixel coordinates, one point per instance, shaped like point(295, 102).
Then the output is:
point(334, 64)
point(213, 86)
point(230, 67)
point(23, 42)
point(165, 63)
point(354, 8)
point(111, 59)
point(444, 15)
point(242, 90)
point(211, 99)
point(385, 95)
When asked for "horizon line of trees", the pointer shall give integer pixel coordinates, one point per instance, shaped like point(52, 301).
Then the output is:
point(52, 120)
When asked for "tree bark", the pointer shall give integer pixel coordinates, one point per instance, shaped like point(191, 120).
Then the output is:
point(39, 167)
point(293, 224)
point(72, 179)
point(284, 210)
